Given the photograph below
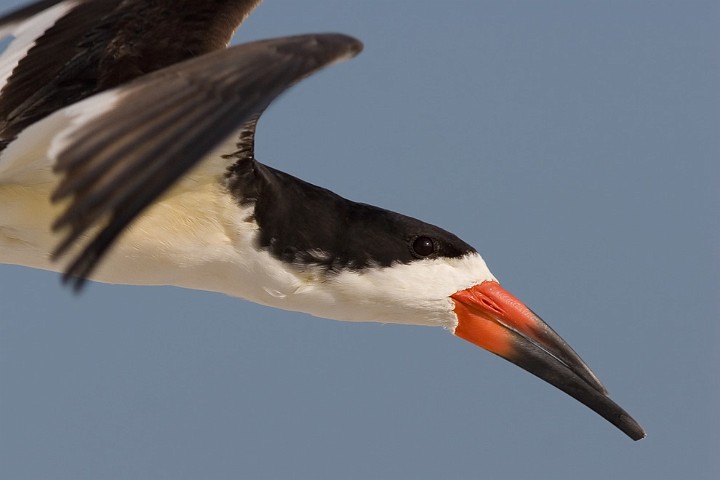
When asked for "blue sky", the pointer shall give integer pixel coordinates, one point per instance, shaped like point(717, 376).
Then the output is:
point(574, 144)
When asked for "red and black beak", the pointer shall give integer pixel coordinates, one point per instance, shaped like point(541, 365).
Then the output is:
point(495, 320)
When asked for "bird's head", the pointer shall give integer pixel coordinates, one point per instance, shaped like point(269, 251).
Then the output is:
point(376, 265)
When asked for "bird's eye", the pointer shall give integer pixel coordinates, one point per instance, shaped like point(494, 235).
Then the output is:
point(423, 246)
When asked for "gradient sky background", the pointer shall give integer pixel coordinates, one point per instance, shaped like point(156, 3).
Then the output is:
point(576, 144)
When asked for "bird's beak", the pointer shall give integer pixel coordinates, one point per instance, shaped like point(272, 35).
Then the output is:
point(495, 320)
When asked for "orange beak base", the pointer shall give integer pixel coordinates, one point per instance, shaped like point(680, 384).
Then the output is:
point(495, 320)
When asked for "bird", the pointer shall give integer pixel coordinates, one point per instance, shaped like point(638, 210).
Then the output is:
point(127, 131)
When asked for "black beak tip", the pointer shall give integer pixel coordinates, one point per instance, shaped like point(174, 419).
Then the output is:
point(534, 359)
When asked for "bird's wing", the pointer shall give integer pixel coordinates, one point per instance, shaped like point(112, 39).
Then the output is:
point(66, 51)
point(27, 25)
point(119, 150)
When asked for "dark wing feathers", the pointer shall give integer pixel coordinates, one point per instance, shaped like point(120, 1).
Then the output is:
point(52, 75)
point(101, 44)
point(164, 123)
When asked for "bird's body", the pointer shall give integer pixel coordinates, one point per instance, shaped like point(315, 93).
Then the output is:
point(200, 237)
point(134, 157)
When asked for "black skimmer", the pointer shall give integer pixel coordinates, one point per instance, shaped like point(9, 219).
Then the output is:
point(127, 146)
